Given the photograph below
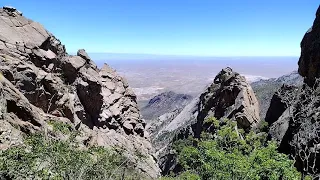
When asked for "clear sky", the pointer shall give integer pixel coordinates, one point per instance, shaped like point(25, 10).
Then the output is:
point(176, 27)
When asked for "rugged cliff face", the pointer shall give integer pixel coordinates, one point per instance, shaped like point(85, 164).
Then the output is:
point(265, 88)
point(309, 60)
point(229, 96)
point(294, 113)
point(41, 82)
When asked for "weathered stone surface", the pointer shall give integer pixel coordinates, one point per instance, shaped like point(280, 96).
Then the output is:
point(264, 89)
point(309, 61)
point(82, 53)
point(280, 126)
point(43, 82)
point(280, 101)
point(294, 115)
point(297, 128)
point(229, 96)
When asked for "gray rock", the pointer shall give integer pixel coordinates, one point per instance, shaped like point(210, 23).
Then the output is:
point(164, 103)
point(280, 127)
point(128, 126)
point(82, 53)
point(9, 8)
point(47, 83)
point(309, 61)
point(264, 89)
point(229, 96)
point(294, 114)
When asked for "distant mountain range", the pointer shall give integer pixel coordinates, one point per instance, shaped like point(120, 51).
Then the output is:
point(265, 88)
point(163, 103)
point(169, 101)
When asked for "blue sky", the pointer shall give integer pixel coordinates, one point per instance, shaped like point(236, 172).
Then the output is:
point(176, 27)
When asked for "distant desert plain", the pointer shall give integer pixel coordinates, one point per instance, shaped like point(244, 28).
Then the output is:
point(149, 75)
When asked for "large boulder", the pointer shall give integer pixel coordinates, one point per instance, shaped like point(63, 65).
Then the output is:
point(51, 83)
point(280, 101)
point(229, 96)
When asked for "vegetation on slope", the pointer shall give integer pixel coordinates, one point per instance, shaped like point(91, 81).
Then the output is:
point(230, 153)
point(43, 158)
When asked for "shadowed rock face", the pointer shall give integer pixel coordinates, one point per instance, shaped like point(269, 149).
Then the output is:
point(294, 112)
point(280, 102)
point(264, 89)
point(309, 61)
point(164, 103)
point(40, 80)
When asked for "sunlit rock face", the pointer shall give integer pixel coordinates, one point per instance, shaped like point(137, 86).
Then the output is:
point(42, 82)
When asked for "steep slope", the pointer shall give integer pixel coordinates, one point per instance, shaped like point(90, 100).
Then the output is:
point(41, 82)
point(164, 103)
point(265, 88)
point(294, 111)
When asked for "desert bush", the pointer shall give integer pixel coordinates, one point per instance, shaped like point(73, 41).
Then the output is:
point(230, 153)
point(40, 158)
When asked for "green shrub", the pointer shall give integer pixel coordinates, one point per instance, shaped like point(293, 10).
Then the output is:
point(230, 153)
point(53, 159)
point(60, 127)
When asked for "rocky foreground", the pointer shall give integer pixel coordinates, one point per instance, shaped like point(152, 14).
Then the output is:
point(40, 82)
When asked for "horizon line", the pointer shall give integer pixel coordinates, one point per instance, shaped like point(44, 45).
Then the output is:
point(184, 55)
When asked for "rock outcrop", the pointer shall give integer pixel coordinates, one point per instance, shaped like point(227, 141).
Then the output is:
point(309, 61)
point(264, 89)
point(41, 81)
point(280, 101)
point(294, 113)
point(229, 96)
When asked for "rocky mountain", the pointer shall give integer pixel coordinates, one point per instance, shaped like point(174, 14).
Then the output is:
point(294, 112)
point(163, 103)
point(40, 83)
point(167, 106)
point(229, 96)
point(265, 88)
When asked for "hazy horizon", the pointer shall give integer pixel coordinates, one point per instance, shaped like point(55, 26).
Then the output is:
point(100, 56)
point(181, 27)
point(191, 75)
point(179, 45)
